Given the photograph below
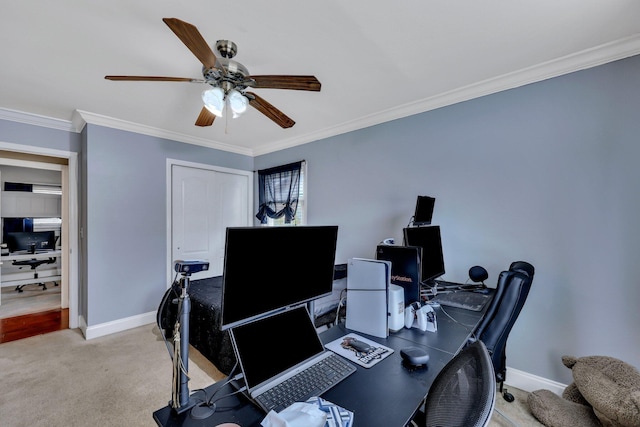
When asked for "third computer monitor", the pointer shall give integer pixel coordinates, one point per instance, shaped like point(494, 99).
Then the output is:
point(429, 239)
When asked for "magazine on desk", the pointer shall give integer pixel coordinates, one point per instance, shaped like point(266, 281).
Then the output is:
point(359, 349)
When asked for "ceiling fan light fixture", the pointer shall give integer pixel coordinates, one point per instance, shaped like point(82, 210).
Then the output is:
point(214, 100)
point(237, 102)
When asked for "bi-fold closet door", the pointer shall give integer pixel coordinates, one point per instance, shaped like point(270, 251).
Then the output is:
point(204, 202)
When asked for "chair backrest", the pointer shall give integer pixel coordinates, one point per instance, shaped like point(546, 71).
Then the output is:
point(493, 305)
point(516, 286)
point(523, 266)
point(463, 393)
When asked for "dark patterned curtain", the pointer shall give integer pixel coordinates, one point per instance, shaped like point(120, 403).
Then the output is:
point(279, 189)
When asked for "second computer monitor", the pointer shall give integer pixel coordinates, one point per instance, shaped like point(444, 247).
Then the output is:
point(429, 239)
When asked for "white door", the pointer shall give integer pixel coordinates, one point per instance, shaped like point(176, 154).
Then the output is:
point(203, 204)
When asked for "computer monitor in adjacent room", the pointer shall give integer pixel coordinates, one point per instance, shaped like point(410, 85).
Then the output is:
point(424, 210)
point(429, 239)
point(31, 241)
point(270, 268)
point(11, 225)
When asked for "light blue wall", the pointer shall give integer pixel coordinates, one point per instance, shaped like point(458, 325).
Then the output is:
point(546, 173)
point(125, 228)
point(36, 136)
point(122, 199)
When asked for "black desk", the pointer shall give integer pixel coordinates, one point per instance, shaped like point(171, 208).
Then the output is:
point(387, 394)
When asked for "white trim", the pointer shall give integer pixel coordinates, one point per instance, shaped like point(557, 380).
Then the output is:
point(37, 120)
point(72, 179)
point(176, 162)
point(529, 382)
point(83, 117)
point(588, 58)
point(120, 325)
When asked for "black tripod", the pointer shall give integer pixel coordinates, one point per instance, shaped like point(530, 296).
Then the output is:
point(180, 400)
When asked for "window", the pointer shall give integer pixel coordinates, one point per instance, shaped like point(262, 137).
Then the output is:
point(281, 195)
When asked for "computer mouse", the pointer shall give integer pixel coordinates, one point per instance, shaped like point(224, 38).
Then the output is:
point(357, 345)
point(414, 356)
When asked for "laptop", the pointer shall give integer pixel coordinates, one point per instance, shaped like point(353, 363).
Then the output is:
point(275, 351)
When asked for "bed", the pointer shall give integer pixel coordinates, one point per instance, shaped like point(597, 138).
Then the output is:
point(204, 325)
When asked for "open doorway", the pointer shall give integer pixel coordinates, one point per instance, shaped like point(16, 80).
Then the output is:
point(31, 226)
point(55, 302)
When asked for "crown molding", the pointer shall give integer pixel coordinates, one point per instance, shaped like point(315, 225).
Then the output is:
point(36, 120)
point(589, 58)
point(599, 55)
point(97, 119)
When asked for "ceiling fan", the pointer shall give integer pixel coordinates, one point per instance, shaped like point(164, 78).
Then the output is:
point(229, 79)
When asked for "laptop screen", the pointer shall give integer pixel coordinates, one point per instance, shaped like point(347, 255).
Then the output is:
point(269, 346)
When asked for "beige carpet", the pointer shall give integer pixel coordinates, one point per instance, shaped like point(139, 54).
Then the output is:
point(60, 379)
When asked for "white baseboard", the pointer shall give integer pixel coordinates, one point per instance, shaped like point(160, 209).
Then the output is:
point(529, 382)
point(96, 331)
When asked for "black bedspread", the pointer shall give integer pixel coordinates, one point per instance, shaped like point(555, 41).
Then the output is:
point(204, 325)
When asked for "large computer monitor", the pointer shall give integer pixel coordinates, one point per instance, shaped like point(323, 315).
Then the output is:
point(429, 239)
point(31, 241)
point(270, 268)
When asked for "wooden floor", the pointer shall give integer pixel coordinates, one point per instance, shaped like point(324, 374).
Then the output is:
point(28, 325)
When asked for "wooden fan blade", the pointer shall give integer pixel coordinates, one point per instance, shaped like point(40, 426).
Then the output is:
point(192, 38)
point(205, 118)
point(154, 79)
point(286, 82)
point(270, 111)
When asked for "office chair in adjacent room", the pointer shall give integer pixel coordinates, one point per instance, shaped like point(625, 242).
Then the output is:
point(463, 393)
point(34, 264)
point(510, 294)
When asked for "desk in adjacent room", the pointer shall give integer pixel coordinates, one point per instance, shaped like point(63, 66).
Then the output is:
point(27, 276)
point(387, 394)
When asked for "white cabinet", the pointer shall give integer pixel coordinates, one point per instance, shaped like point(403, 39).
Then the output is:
point(34, 205)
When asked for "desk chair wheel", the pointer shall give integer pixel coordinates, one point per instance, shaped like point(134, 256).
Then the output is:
point(508, 396)
point(44, 286)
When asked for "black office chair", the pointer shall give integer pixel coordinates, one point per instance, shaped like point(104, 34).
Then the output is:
point(510, 294)
point(463, 393)
point(34, 264)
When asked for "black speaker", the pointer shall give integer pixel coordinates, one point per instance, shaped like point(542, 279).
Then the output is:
point(478, 274)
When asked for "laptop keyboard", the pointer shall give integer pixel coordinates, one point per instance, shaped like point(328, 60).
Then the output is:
point(311, 382)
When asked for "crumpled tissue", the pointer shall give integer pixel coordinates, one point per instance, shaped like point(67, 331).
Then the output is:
point(315, 412)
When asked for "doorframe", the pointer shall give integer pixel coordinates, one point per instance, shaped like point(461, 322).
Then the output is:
point(69, 181)
point(169, 192)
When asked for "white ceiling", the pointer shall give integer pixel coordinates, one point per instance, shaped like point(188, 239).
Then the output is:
point(377, 61)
